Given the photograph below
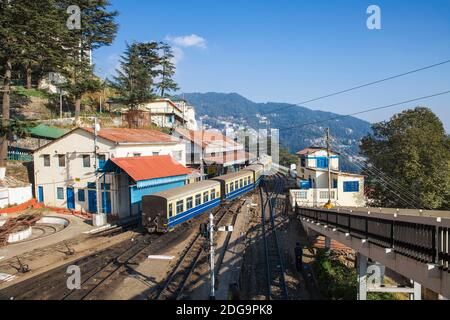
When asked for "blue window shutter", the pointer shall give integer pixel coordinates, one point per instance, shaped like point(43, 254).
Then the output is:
point(81, 195)
point(351, 186)
point(322, 162)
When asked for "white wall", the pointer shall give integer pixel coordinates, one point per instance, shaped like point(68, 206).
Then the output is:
point(74, 175)
point(15, 196)
point(351, 199)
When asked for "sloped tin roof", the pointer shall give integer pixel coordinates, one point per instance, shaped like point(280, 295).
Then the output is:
point(151, 167)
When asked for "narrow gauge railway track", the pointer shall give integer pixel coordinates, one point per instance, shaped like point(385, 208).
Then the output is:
point(96, 280)
point(97, 270)
point(275, 272)
point(52, 285)
point(174, 285)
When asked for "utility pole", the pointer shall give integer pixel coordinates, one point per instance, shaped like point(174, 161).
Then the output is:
point(329, 205)
point(96, 127)
point(60, 103)
point(211, 256)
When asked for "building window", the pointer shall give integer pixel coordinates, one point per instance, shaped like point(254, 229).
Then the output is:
point(60, 193)
point(335, 183)
point(198, 199)
point(46, 160)
point(180, 206)
point(170, 210)
point(205, 197)
point(86, 161)
point(101, 161)
point(189, 203)
point(303, 195)
point(322, 162)
point(81, 195)
point(351, 186)
point(62, 160)
point(303, 162)
point(178, 155)
point(213, 194)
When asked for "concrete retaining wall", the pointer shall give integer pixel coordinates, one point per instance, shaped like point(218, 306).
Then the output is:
point(15, 196)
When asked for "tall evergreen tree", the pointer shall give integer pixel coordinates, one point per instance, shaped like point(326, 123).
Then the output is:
point(134, 82)
point(167, 71)
point(413, 149)
point(25, 26)
point(98, 28)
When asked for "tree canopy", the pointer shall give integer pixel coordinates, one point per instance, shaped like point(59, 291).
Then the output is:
point(413, 149)
point(141, 66)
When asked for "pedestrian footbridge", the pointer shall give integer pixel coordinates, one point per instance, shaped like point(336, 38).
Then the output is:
point(413, 243)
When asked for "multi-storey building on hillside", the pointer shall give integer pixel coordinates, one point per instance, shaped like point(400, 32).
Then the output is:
point(347, 189)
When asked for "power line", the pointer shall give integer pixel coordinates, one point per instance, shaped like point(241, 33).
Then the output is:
point(388, 182)
point(358, 87)
point(365, 111)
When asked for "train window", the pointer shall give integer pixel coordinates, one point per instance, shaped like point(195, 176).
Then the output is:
point(198, 199)
point(205, 197)
point(170, 210)
point(226, 188)
point(248, 180)
point(180, 206)
point(236, 186)
point(213, 194)
point(189, 203)
point(231, 187)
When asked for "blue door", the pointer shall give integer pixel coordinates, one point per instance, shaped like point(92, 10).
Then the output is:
point(70, 198)
point(92, 199)
point(41, 194)
point(106, 202)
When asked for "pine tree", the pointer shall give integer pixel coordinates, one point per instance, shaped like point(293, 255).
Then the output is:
point(25, 26)
point(413, 149)
point(167, 70)
point(134, 82)
point(98, 28)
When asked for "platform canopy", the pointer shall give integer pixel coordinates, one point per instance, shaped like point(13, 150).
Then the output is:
point(146, 171)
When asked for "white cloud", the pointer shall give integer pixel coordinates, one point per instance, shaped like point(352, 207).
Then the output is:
point(178, 55)
point(192, 40)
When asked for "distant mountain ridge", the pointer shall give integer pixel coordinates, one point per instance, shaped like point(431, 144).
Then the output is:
point(219, 109)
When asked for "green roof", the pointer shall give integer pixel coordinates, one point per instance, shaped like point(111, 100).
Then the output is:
point(43, 131)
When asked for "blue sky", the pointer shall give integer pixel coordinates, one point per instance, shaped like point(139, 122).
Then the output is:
point(295, 50)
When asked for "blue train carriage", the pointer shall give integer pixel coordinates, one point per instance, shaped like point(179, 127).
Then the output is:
point(258, 172)
point(162, 211)
point(235, 184)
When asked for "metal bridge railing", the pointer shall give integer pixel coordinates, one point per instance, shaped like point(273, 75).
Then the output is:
point(424, 239)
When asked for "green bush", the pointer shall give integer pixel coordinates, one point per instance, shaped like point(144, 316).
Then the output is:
point(21, 91)
point(336, 280)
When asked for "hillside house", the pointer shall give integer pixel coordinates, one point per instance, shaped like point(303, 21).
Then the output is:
point(347, 189)
point(219, 153)
point(65, 169)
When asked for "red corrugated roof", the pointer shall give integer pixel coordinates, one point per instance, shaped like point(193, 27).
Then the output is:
point(124, 135)
point(152, 167)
